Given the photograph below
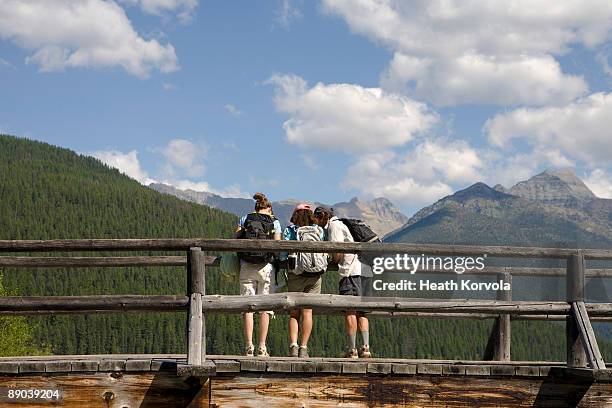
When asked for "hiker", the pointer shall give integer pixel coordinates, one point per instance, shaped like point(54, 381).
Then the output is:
point(256, 268)
point(304, 274)
point(349, 269)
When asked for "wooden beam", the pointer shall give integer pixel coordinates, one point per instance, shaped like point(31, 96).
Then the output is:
point(17, 305)
point(589, 342)
point(499, 340)
point(85, 261)
point(291, 246)
point(576, 354)
point(195, 322)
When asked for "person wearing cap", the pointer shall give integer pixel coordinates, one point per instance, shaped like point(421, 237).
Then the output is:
point(349, 269)
point(306, 282)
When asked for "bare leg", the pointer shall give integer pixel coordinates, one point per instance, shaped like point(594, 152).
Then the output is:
point(264, 322)
point(351, 328)
point(294, 326)
point(306, 326)
point(363, 323)
point(248, 328)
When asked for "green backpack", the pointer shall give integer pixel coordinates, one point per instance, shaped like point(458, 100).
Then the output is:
point(230, 264)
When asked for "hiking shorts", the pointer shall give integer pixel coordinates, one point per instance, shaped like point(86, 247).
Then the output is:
point(350, 286)
point(366, 285)
point(255, 279)
point(304, 283)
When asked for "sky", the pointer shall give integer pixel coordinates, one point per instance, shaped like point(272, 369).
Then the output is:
point(317, 100)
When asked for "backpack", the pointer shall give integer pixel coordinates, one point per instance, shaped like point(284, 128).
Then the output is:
point(361, 232)
point(310, 261)
point(257, 226)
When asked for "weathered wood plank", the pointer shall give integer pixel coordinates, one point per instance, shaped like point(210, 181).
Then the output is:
point(425, 368)
point(252, 365)
point(589, 342)
point(227, 366)
point(282, 301)
point(291, 246)
point(112, 365)
point(103, 390)
point(407, 391)
point(194, 328)
point(138, 365)
point(85, 365)
point(82, 262)
point(57, 366)
point(9, 367)
point(276, 366)
point(206, 369)
point(576, 354)
point(354, 368)
point(404, 369)
point(32, 367)
point(379, 368)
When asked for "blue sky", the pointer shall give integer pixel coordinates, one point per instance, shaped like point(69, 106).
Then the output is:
point(321, 100)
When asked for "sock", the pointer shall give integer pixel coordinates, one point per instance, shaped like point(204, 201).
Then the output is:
point(293, 344)
point(365, 335)
point(352, 339)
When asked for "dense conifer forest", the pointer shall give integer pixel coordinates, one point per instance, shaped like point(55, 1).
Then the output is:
point(48, 192)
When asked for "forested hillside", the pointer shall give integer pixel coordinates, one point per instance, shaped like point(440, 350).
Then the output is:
point(48, 192)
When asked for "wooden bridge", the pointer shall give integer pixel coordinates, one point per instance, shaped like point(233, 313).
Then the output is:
point(196, 379)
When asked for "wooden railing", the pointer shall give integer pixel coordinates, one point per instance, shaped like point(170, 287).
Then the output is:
point(582, 349)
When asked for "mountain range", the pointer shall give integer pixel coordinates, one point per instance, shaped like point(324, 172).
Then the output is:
point(379, 213)
point(553, 208)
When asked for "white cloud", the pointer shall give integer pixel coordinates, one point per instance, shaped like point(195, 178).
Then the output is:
point(127, 163)
point(234, 111)
point(184, 9)
point(286, 13)
point(89, 33)
point(445, 49)
point(480, 79)
point(233, 190)
point(419, 176)
point(577, 131)
point(183, 157)
point(347, 117)
point(600, 183)
point(168, 86)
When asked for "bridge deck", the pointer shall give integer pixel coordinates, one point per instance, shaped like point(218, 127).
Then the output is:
point(233, 365)
point(151, 380)
point(236, 364)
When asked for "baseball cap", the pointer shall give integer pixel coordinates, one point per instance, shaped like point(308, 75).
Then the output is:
point(323, 209)
point(302, 206)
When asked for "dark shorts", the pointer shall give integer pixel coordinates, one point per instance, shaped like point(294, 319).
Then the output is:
point(366, 285)
point(350, 286)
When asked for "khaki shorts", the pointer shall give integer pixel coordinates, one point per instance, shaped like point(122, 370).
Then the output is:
point(255, 279)
point(304, 284)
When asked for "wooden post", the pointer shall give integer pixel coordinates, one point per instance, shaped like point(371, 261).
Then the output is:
point(576, 355)
point(498, 346)
point(502, 345)
point(196, 337)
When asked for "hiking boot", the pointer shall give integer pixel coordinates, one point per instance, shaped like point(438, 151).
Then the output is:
point(364, 352)
point(293, 350)
point(303, 352)
point(250, 351)
point(352, 353)
point(262, 352)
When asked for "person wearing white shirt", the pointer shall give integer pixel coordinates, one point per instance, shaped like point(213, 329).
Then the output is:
point(349, 269)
